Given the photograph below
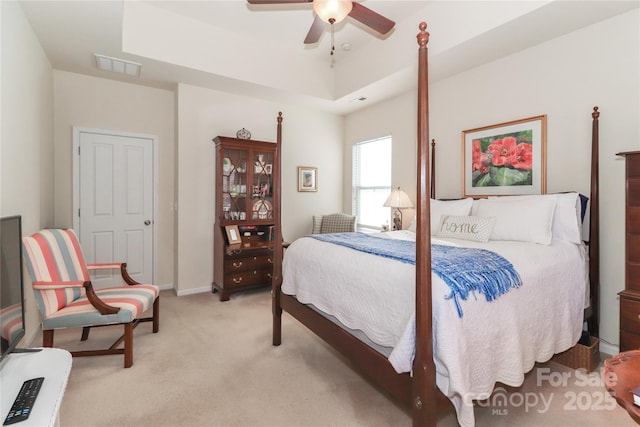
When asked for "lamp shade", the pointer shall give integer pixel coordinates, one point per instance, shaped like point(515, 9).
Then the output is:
point(398, 199)
point(332, 9)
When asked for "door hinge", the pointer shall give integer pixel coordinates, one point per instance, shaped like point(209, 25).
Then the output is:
point(78, 213)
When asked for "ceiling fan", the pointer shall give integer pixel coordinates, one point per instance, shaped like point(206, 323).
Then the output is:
point(334, 11)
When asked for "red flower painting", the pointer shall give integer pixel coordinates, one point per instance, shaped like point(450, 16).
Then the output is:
point(502, 160)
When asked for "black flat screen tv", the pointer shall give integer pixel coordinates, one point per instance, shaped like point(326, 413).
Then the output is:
point(12, 327)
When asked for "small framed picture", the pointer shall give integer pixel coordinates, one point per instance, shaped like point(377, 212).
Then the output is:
point(307, 178)
point(268, 168)
point(233, 234)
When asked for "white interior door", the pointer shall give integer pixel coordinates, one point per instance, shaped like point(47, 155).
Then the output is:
point(115, 206)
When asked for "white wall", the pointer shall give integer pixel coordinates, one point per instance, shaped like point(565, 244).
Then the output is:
point(309, 138)
point(563, 78)
point(185, 122)
point(26, 145)
point(96, 103)
point(395, 117)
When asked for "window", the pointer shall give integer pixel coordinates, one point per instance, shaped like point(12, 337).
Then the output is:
point(371, 181)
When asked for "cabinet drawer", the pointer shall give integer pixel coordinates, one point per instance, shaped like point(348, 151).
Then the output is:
point(633, 276)
point(248, 253)
point(248, 278)
point(633, 165)
point(633, 192)
point(633, 247)
point(630, 315)
point(234, 265)
point(632, 224)
point(629, 341)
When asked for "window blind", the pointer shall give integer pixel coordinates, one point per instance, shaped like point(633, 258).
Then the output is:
point(371, 181)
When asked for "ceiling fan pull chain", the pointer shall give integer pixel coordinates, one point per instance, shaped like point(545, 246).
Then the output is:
point(333, 47)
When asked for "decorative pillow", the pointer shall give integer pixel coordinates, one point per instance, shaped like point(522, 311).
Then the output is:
point(474, 228)
point(567, 218)
point(583, 206)
point(519, 218)
point(458, 207)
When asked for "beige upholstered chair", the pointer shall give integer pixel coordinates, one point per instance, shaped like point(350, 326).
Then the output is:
point(333, 223)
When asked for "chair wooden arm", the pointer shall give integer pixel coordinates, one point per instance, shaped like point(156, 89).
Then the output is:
point(95, 301)
point(123, 270)
point(125, 275)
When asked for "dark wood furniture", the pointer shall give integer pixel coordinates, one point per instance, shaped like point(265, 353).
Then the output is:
point(418, 391)
point(621, 374)
point(247, 196)
point(630, 296)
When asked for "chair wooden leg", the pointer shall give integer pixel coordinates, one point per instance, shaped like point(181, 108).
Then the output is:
point(128, 345)
point(47, 337)
point(156, 315)
point(85, 333)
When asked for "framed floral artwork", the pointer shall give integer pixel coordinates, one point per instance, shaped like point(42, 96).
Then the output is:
point(307, 178)
point(505, 159)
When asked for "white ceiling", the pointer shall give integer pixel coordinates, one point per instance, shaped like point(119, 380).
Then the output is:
point(258, 50)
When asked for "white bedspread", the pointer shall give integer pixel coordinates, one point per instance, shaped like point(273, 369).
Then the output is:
point(497, 341)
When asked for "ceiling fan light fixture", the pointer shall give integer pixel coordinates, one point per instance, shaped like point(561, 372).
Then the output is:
point(335, 10)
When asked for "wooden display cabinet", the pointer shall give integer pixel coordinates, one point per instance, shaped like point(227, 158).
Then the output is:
point(245, 178)
point(630, 296)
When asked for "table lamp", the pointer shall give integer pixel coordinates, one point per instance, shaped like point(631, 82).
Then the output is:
point(398, 200)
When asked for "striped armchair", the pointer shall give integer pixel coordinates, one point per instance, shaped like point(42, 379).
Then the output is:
point(66, 298)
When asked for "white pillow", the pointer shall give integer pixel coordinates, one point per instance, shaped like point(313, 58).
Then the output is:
point(523, 219)
point(567, 222)
point(459, 207)
point(414, 224)
point(474, 228)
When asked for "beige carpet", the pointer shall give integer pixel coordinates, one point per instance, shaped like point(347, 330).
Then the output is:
point(212, 364)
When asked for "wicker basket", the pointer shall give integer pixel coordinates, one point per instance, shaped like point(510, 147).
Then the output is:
point(581, 356)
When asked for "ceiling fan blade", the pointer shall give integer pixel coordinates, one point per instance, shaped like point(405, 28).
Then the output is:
point(370, 18)
point(315, 31)
point(277, 1)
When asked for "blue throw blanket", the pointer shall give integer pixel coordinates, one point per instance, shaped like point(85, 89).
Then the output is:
point(464, 270)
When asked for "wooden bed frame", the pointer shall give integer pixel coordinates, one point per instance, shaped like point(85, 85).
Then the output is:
point(418, 392)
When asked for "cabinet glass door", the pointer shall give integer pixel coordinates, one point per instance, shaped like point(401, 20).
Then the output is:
point(262, 186)
point(234, 184)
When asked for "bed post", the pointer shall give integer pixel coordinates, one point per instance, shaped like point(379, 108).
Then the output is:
point(433, 168)
point(594, 233)
point(424, 382)
point(276, 280)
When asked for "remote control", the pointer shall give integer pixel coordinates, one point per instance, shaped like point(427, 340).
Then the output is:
point(21, 407)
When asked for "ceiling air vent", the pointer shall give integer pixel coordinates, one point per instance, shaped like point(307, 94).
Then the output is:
point(115, 65)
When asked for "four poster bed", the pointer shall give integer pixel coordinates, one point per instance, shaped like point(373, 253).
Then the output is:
point(427, 340)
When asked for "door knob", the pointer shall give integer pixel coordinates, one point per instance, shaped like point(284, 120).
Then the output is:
point(147, 222)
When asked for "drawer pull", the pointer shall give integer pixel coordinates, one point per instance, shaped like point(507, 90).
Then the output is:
point(237, 264)
point(269, 275)
point(255, 272)
point(237, 279)
point(269, 260)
